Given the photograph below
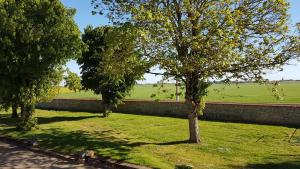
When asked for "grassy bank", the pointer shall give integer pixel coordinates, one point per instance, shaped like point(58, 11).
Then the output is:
point(245, 92)
point(160, 141)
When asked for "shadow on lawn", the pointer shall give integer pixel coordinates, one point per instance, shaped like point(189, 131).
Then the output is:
point(7, 120)
point(283, 165)
point(103, 142)
point(174, 142)
point(107, 143)
point(288, 161)
point(46, 120)
point(73, 142)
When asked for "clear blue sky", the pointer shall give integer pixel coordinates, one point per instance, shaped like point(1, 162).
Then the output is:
point(84, 17)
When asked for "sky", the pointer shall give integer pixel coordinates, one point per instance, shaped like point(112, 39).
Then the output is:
point(84, 17)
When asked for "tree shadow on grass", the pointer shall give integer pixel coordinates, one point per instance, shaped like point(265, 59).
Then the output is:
point(46, 120)
point(283, 165)
point(104, 143)
point(174, 142)
point(282, 161)
point(8, 121)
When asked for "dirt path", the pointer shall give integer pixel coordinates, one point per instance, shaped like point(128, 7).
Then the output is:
point(16, 157)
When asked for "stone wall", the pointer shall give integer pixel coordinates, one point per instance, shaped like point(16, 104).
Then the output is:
point(287, 115)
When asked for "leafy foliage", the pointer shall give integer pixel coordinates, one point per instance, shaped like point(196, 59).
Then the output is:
point(211, 39)
point(72, 81)
point(37, 37)
point(110, 66)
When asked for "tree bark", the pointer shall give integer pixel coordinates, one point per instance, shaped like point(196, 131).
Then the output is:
point(177, 93)
point(107, 110)
point(28, 112)
point(22, 110)
point(194, 126)
point(27, 122)
point(194, 102)
point(14, 111)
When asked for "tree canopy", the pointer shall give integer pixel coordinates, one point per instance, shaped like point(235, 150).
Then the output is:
point(200, 40)
point(37, 38)
point(110, 66)
point(72, 81)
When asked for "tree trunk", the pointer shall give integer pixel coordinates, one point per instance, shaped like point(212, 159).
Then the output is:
point(28, 113)
point(27, 121)
point(107, 110)
point(14, 111)
point(191, 98)
point(22, 110)
point(177, 92)
point(194, 127)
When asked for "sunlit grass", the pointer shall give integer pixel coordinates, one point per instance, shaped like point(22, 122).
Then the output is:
point(160, 141)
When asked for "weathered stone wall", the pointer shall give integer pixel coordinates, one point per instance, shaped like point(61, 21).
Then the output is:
point(288, 115)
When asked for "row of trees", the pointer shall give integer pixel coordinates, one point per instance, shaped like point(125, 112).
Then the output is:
point(193, 41)
point(39, 37)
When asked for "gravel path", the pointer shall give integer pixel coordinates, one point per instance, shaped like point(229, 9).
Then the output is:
point(12, 156)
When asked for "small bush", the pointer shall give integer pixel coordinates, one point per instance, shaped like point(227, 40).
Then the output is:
point(184, 166)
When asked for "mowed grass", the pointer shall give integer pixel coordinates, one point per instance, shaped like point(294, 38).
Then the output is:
point(244, 92)
point(160, 142)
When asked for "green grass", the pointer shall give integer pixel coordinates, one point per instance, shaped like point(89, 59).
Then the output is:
point(160, 141)
point(245, 92)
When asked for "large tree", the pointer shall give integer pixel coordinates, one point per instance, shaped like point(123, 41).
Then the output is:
point(9, 97)
point(200, 40)
point(37, 37)
point(72, 81)
point(110, 66)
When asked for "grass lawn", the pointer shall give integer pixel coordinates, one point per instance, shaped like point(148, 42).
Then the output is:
point(160, 141)
point(245, 92)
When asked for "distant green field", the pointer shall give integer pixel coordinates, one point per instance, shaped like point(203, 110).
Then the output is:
point(244, 92)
